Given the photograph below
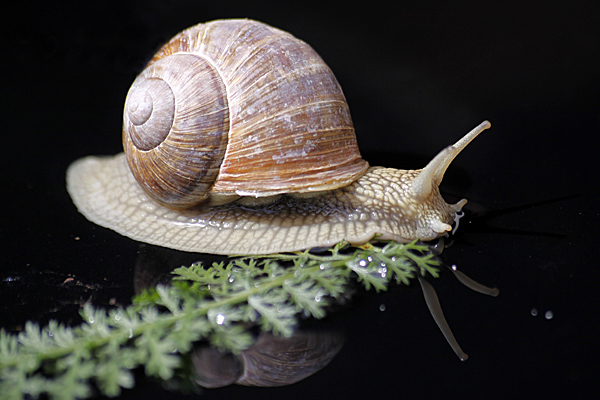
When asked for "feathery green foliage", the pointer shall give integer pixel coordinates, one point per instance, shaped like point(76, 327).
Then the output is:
point(215, 304)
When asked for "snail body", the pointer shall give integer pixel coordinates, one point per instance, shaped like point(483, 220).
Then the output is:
point(265, 158)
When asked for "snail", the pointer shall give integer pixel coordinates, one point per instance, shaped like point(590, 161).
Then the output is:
point(238, 140)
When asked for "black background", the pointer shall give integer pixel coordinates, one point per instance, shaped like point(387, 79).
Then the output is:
point(417, 76)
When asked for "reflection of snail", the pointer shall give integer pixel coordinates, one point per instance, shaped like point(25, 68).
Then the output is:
point(238, 140)
point(154, 264)
point(272, 361)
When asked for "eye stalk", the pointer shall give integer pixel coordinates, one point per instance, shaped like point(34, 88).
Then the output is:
point(433, 173)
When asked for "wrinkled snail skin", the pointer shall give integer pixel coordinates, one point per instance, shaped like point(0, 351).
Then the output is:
point(269, 196)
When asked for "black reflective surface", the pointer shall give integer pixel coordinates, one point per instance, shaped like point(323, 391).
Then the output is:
point(416, 78)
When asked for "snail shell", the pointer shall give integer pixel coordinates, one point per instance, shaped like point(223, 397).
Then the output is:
point(238, 140)
point(234, 108)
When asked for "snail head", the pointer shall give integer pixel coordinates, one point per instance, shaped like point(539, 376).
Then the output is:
point(433, 216)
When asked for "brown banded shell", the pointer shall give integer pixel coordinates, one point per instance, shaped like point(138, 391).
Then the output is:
point(237, 108)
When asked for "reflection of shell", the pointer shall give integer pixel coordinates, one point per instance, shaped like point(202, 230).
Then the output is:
point(272, 361)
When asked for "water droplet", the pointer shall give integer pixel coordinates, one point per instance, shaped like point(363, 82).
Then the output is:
point(549, 315)
point(383, 270)
point(534, 312)
point(363, 263)
point(382, 307)
point(318, 298)
point(231, 278)
point(370, 258)
point(454, 268)
point(220, 319)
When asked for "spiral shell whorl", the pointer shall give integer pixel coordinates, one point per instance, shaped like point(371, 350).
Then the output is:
point(150, 107)
point(176, 120)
